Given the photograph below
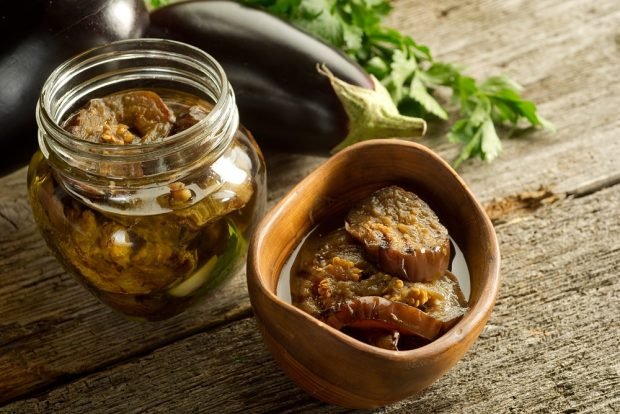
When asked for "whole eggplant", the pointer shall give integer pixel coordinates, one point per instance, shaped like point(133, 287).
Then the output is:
point(272, 66)
point(38, 35)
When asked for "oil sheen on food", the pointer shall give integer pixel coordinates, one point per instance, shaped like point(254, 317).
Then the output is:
point(151, 257)
point(382, 274)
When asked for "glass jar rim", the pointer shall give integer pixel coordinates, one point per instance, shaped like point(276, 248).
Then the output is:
point(154, 47)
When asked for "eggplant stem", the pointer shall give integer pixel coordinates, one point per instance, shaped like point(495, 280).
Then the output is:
point(372, 113)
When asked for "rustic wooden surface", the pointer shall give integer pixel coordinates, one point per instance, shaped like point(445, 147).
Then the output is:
point(552, 344)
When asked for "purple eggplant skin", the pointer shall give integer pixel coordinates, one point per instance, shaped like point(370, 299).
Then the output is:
point(38, 35)
point(272, 66)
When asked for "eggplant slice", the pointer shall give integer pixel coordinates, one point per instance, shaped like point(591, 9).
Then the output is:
point(401, 234)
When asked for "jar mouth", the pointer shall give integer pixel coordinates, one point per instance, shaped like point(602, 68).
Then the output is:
point(119, 65)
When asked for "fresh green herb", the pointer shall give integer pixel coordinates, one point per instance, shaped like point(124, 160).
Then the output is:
point(494, 102)
point(158, 3)
point(411, 74)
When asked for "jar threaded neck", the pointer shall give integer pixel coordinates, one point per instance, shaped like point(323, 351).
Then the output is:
point(131, 64)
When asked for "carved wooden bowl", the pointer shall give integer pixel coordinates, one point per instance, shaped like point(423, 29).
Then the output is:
point(325, 362)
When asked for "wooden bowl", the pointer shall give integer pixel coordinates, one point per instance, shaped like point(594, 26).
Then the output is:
point(325, 362)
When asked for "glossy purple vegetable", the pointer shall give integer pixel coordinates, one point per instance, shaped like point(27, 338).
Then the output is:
point(282, 97)
point(39, 35)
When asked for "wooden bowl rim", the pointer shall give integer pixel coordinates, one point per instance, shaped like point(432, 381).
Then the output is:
point(477, 314)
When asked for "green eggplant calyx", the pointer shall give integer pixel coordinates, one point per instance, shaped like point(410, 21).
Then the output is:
point(372, 113)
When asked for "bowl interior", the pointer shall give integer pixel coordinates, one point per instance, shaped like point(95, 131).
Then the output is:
point(353, 174)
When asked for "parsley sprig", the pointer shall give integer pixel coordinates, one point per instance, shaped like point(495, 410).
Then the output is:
point(411, 74)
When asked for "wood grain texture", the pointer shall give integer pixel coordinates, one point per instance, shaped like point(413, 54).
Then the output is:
point(551, 344)
point(565, 53)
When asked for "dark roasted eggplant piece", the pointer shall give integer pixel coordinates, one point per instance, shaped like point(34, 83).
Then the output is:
point(401, 234)
point(38, 36)
point(284, 98)
point(374, 312)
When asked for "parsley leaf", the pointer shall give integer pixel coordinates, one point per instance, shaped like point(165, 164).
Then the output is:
point(418, 92)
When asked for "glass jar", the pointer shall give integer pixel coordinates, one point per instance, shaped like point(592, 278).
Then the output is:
point(147, 228)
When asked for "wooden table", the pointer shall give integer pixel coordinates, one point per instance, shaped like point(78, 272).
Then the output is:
point(552, 343)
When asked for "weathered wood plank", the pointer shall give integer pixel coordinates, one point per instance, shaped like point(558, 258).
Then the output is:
point(551, 344)
point(52, 330)
point(565, 53)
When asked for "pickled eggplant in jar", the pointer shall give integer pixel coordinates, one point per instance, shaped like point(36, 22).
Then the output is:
point(154, 206)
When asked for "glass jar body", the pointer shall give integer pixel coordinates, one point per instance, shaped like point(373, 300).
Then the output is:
point(150, 241)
